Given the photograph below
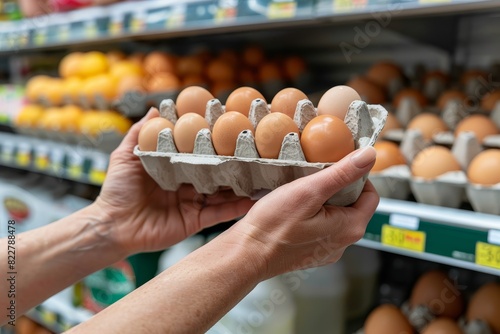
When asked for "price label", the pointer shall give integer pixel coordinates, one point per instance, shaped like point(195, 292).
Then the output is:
point(7, 151)
point(488, 255)
point(90, 30)
point(116, 25)
point(281, 10)
point(138, 22)
point(56, 160)
point(348, 5)
point(97, 176)
point(98, 170)
point(402, 238)
point(23, 156)
point(63, 32)
point(40, 37)
point(75, 166)
point(225, 14)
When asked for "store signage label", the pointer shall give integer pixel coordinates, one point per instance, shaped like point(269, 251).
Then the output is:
point(403, 238)
point(281, 10)
point(494, 237)
point(488, 255)
point(404, 221)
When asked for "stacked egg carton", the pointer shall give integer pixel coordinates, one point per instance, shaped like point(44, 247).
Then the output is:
point(245, 172)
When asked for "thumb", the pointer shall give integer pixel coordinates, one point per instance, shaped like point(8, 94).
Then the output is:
point(352, 167)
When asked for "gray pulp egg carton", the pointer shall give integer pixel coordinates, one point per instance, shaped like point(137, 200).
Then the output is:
point(246, 173)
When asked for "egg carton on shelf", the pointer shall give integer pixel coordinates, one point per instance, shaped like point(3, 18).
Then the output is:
point(246, 173)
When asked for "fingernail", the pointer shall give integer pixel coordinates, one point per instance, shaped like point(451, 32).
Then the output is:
point(364, 157)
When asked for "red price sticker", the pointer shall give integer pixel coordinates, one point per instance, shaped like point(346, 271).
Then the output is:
point(404, 239)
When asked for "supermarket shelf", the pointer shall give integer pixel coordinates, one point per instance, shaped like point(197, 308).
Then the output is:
point(167, 19)
point(455, 237)
point(71, 162)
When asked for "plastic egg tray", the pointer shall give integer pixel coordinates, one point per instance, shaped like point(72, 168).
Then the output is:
point(245, 172)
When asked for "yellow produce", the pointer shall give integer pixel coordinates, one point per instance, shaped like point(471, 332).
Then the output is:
point(93, 63)
point(29, 116)
point(70, 65)
point(104, 85)
point(35, 86)
point(72, 88)
point(51, 119)
point(126, 68)
point(115, 57)
point(94, 123)
point(53, 91)
point(70, 118)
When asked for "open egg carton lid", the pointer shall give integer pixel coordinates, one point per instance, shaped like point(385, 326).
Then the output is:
point(246, 173)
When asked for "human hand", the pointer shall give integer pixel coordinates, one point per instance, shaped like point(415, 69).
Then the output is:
point(146, 218)
point(291, 228)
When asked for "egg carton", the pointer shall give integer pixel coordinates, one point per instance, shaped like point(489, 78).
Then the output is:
point(105, 141)
point(246, 173)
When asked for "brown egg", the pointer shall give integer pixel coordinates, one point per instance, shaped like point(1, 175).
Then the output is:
point(226, 130)
point(189, 65)
point(489, 101)
point(326, 138)
point(452, 94)
point(157, 62)
point(185, 130)
point(253, 56)
point(428, 124)
point(270, 132)
point(241, 99)
point(193, 80)
point(484, 169)
point(410, 93)
point(382, 73)
point(285, 101)
point(137, 57)
point(391, 123)
point(294, 67)
point(434, 161)
point(220, 70)
point(387, 319)
point(130, 84)
point(436, 291)
point(148, 136)
point(440, 75)
point(193, 99)
point(388, 154)
point(473, 74)
point(163, 82)
point(485, 305)
point(442, 326)
point(336, 101)
point(480, 125)
point(368, 90)
point(270, 71)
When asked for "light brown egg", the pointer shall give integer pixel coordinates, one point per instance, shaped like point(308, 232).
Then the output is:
point(226, 130)
point(130, 84)
point(388, 154)
point(270, 132)
point(253, 56)
point(157, 62)
point(185, 130)
point(484, 169)
point(439, 75)
point(410, 93)
point(148, 136)
point(241, 99)
point(221, 71)
point(485, 305)
point(428, 124)
point(336, 101)
point(452, 94)
point(294, 67)
point(326, 138)
point(434, 161)
point(163, 82)
point(369, 91)
point(387, 319)
point(189, 65)
point(285, 101)
point(391, 123)
point(489, 101)
point(442, 326)
point(382, 73)
point(193, 99)
point(269, 71)
point(480, 125)
point(435, 290)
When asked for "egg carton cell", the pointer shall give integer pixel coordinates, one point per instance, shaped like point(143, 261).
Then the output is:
point(245, 172)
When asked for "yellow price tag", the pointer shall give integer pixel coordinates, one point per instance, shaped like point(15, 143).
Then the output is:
point(136, 24)
point(48, 317)
point(348, 5)
point(488, 255)
point(115, 28)
point(40, 37)
point(405, 239)
point(91, 30)
point(23, 159)
point(97, 176)
point(75, 171)
point(224, 14)
point(281, 10)
point(175, 21)
point(63, 33)
point(42, 162)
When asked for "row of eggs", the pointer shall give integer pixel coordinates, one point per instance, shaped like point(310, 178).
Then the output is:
point(326, 138)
